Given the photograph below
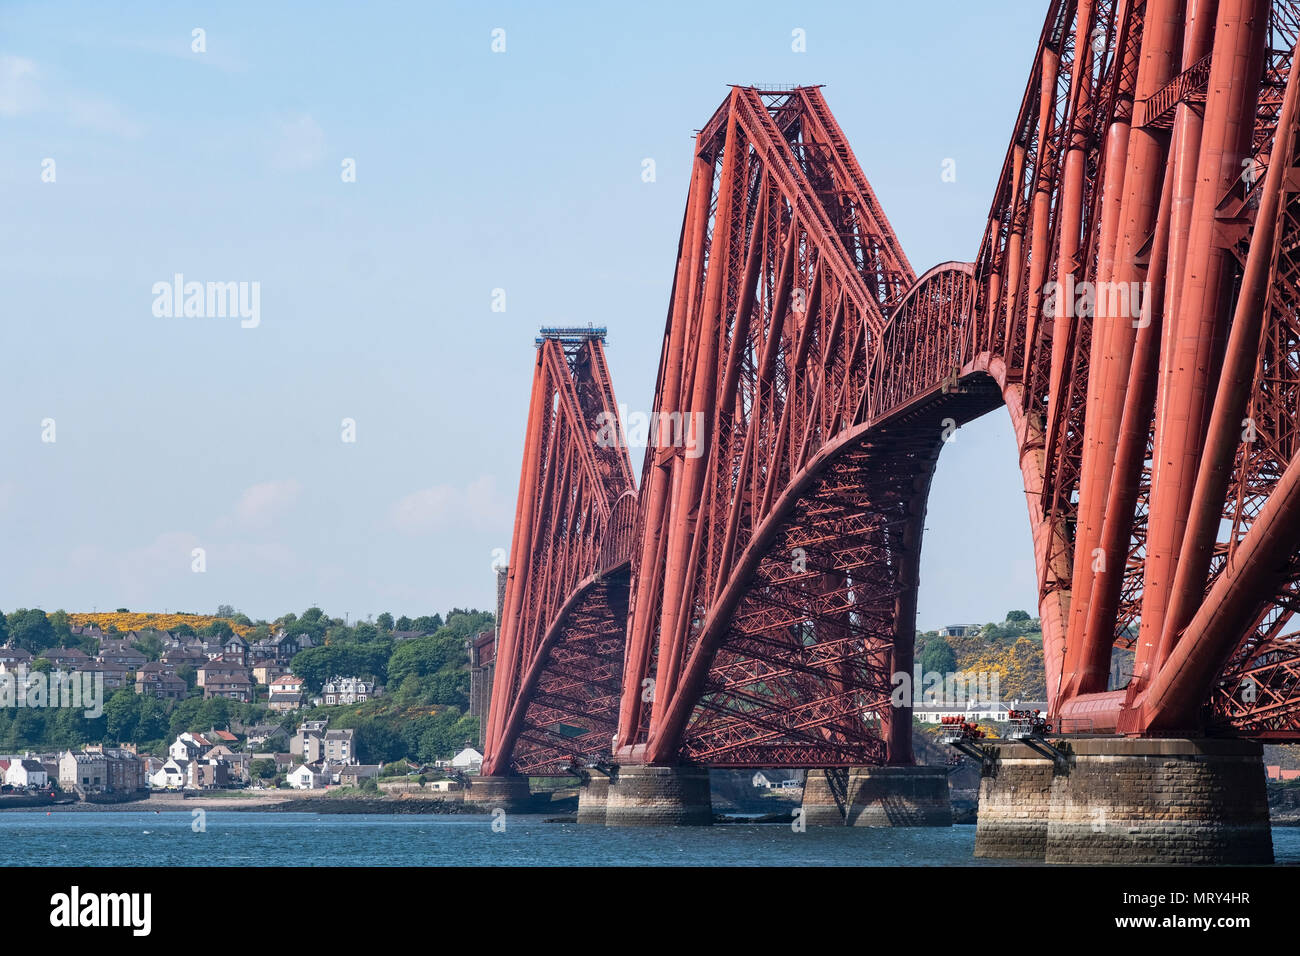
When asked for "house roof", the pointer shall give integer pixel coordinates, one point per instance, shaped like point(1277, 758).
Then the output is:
point(228, 680)
point(221, 663)
point(113, 666)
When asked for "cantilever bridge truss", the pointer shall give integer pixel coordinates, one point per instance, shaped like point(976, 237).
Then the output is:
point(1133, 306)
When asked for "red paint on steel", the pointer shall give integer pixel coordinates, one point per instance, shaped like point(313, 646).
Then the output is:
point(1135, 306)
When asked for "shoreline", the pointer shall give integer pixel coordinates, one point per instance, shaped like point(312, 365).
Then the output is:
point(292, 802)
point(322, 803)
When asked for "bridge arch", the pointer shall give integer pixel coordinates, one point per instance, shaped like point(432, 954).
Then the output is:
point(819, 607)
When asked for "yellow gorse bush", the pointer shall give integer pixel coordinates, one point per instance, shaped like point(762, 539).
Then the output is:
point(145, 620)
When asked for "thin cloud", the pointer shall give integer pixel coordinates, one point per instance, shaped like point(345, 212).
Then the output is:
point(443, 506)
point(24, 91)
point(262, 503)
point(19, 87)
point(300, 144)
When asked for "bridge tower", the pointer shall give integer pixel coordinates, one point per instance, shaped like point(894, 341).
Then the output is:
point(559, 652)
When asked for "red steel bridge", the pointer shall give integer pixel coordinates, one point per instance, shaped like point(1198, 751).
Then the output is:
point(1133, 307)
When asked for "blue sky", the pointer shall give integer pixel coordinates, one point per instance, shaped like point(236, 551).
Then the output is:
point(475, 171)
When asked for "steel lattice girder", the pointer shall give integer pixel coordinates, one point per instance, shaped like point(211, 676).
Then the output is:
point(565, 606)
point(1162, 480)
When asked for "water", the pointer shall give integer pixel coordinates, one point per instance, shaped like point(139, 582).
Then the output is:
point(254, 838)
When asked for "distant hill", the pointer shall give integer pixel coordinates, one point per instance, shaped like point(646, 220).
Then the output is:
point(1013, 649)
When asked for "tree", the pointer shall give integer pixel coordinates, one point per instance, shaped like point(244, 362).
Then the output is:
point(152, 724)
point(150, 645)
point(1017, 616)
point(225, 610)
point(122, 715)
point(377, 742)
point(187, 673)
point(466, 624)
point(425, 656)
point(403, 623)
point(4, 629)
point(61, 628)
point(185, 716)
point(938, 656)
point(218, 629)
point(384, 621)
point(263, 769)
point(31, 630)
point(315, 665)
point(215, 713)
point(427, 624)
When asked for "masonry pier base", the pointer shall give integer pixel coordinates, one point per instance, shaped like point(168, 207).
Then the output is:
point(592, 797)
point(877, 797)
point(510, 793)
point(659, 796)
point(1126, 800)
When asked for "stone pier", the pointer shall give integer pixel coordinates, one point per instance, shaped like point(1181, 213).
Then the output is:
point(659, 796)
point(1126, 800)
point(510, 793)
point(877, 797)
point(592, 798)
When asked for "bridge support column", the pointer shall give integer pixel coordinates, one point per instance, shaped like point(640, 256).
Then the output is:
point(659, 796)
point(510, 793)
point(1127, 800)
point(903, 796)
point(592, 797)
point(1015, 800)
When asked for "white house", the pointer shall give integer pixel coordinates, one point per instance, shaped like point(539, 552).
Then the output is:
point(975, 710)
point(26, 773)
point(172, 776)
point(468, 759)
point(772, 780)
point(188, 746)
point(308, 777)
point(348, 690)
